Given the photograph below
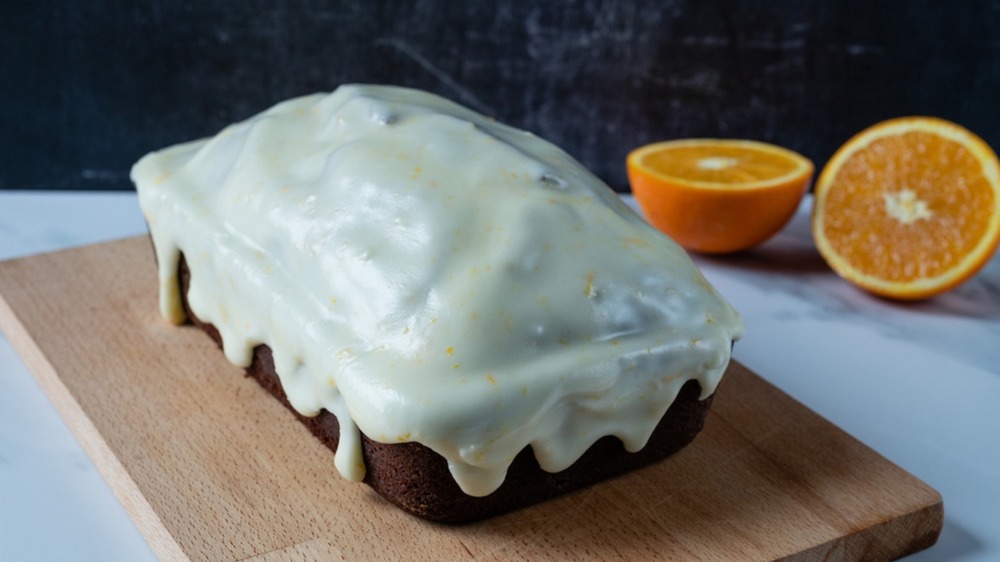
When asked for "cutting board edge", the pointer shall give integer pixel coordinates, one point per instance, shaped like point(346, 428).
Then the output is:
point(101, 455)
point(166, 547)
point(866, 544)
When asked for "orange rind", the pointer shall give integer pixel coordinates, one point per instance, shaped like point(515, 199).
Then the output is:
point(909, 208)
point(718, 195)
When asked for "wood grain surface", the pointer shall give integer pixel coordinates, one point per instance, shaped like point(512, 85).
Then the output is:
point(212, 468)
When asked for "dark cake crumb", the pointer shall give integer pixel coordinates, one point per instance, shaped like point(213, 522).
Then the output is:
point(417, 479)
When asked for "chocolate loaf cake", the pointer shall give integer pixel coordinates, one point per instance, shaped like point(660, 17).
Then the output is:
point(417, 480)
point(469, 319)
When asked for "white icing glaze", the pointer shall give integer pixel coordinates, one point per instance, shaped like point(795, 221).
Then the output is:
point(427, 274)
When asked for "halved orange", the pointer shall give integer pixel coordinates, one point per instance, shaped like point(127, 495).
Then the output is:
point(718, 195)
point(909, 207)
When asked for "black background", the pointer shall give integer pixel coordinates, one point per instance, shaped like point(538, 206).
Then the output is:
point(88, 87)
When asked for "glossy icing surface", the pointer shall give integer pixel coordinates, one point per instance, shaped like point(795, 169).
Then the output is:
point(427, 274)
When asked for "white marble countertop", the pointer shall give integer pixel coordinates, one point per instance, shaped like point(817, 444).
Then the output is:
point(920, 383)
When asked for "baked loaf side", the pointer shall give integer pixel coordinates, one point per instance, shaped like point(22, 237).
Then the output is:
point(417, 480)
point(428, 275)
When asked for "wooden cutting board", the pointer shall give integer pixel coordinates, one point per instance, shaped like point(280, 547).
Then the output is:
point(212, 468)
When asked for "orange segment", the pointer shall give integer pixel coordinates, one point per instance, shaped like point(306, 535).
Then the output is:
point(909, 208)
point(718, 195)
point(725, 164)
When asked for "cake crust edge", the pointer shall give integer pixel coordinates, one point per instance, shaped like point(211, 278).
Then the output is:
point(418, 481)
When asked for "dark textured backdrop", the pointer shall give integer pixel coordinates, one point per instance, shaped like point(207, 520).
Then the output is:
point(87, 87)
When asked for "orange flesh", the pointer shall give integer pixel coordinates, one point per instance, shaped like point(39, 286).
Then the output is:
point(719, 164)
point(941, 173)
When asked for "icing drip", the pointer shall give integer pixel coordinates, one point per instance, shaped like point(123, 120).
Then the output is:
point(427, 274)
